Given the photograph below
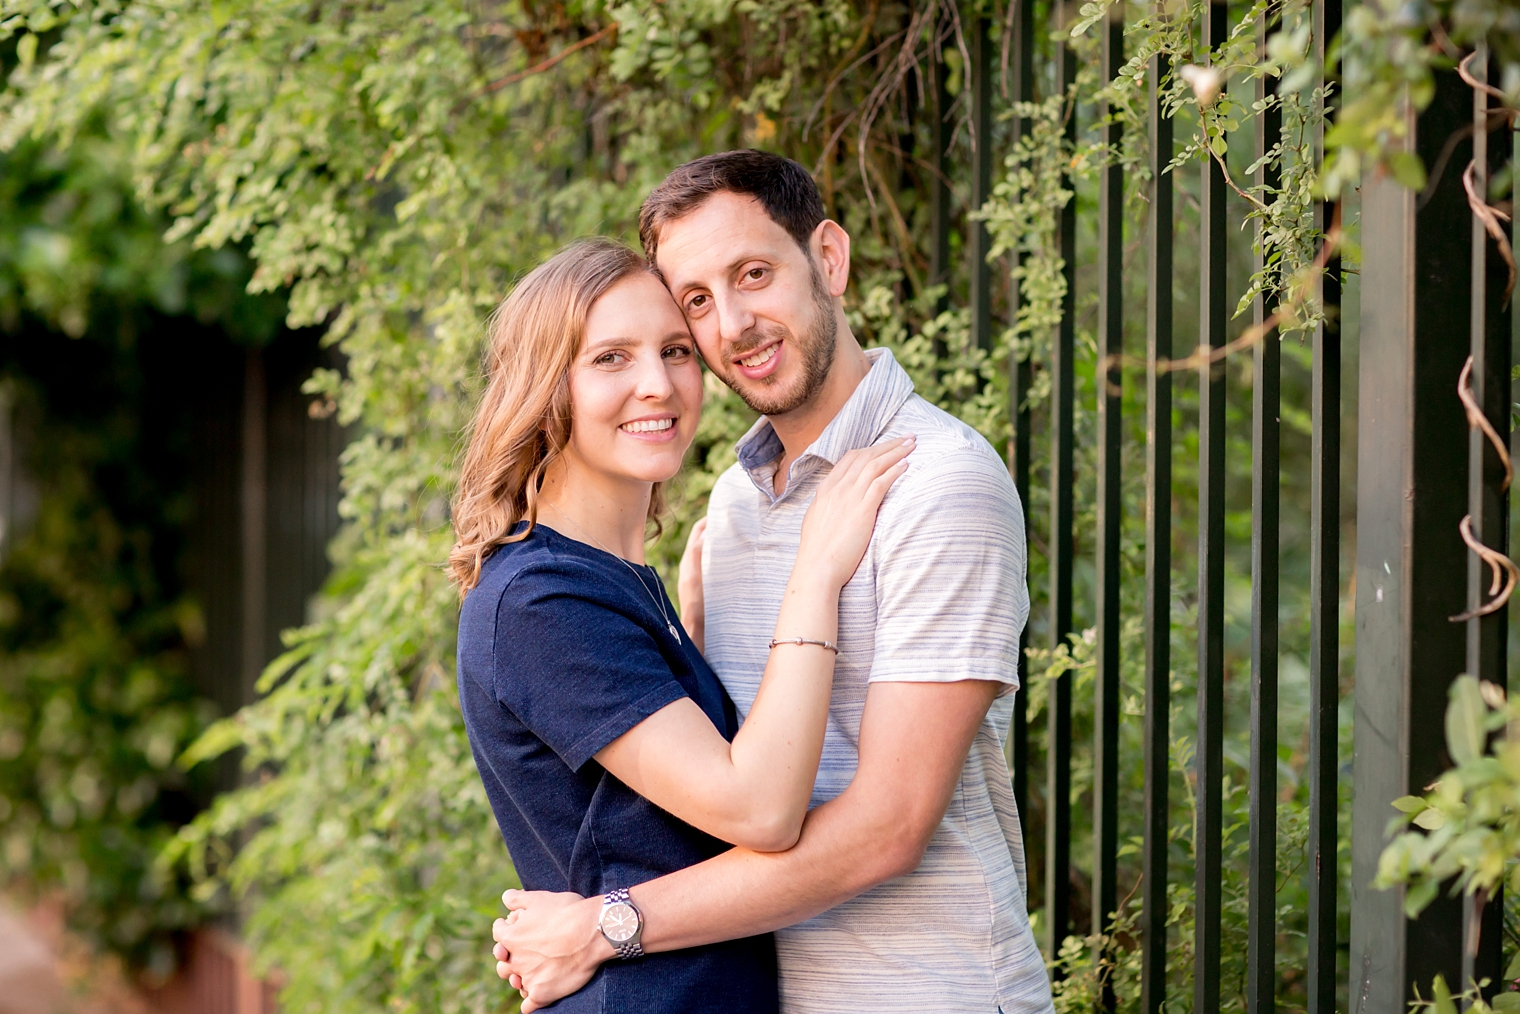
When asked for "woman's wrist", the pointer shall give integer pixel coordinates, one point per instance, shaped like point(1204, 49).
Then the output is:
point(595, 947)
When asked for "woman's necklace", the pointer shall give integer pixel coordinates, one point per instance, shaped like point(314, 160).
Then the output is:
point(669, 624)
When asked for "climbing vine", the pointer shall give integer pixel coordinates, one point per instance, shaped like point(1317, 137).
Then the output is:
point(393, 167)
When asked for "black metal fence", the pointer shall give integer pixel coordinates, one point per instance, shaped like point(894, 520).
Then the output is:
point(1431, 287)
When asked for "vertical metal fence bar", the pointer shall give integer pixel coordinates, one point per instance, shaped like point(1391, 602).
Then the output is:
point(1110, 511)
point(1261, 971)
point(978, 242)
point(1324, 596)
point(1212, 317)
point(1487, 502)
point(1411, 564)
point(941, 133)
point(1021, 377)
point(1062, 395)
point(1158, 551)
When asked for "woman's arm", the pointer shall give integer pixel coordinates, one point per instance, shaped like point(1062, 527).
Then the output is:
point(754, 791)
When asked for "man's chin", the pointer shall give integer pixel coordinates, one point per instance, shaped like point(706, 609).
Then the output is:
point(768, 399)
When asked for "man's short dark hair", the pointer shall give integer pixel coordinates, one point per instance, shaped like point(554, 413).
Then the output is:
point(784, 189)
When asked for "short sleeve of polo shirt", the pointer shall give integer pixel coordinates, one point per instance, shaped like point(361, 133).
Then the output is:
point(576, 671)
point(951, 590)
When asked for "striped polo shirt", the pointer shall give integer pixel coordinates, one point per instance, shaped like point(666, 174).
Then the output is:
point(940, 597)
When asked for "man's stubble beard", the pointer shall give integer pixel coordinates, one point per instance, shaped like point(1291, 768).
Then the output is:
point(815, 347)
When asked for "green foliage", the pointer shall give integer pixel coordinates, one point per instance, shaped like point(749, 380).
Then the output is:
point(1468, 824)
point(396, 165)
point(95, 699)
point(96, 696)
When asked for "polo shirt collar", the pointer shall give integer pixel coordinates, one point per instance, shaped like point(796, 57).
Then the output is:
point(862, 420)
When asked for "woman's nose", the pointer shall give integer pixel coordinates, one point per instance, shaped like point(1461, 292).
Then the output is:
point(653, 383)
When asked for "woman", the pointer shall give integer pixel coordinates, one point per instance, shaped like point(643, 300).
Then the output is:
point(609, 750)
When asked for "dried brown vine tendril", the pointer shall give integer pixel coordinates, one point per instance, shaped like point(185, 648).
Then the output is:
point(1486, 213)
point(1501, 565)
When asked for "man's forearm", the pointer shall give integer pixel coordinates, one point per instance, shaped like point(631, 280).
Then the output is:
point(847, 847)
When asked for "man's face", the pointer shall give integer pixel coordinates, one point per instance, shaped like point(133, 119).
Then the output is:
point(757, 305)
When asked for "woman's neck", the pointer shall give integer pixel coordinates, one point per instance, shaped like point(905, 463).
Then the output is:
point(608, 515)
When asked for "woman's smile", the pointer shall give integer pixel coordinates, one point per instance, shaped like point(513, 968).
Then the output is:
point(655, 429)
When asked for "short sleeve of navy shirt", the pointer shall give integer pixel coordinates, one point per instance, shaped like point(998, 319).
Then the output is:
point(560, 653)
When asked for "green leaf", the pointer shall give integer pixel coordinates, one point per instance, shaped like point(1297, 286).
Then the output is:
point(1506, 1003)
point(1418, 896)
point(1431, 819)
point(1406, 168)
point(1512, 971)
point(1465, 718)
point(1441, 1000)
point(1410, 804)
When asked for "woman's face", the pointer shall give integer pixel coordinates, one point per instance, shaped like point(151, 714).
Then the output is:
point(635, 386)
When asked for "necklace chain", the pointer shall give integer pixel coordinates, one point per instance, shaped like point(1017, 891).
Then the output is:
point(669, 624)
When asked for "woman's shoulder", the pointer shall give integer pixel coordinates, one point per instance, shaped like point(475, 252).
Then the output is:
point(540, 566)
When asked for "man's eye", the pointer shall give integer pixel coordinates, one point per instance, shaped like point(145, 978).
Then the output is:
point(697, 302)
point(757, 273)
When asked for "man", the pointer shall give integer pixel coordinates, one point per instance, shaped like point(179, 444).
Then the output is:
point(906, 888)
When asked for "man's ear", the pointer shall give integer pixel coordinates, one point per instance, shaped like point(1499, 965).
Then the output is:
point(831, 246)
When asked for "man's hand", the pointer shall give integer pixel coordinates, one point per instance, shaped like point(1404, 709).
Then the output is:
point(550, 946)
point(689, 586)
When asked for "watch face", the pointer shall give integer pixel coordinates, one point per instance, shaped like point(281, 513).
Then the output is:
point(619, 922)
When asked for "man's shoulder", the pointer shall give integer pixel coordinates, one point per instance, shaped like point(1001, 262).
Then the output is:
point(950, 443)
point(950, 456)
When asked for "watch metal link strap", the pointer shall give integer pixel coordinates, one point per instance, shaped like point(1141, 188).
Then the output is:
point(624, 942)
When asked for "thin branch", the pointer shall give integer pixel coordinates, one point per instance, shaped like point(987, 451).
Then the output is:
point(1206, 355)
point(543, 65)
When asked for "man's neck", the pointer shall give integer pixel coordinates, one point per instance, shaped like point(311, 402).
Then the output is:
point(798, 428)
point(611, 517)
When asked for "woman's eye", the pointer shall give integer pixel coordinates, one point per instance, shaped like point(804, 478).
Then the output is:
point(607, 359)
point(677, 352)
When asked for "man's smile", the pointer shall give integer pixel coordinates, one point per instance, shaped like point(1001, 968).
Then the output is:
point(761, 362)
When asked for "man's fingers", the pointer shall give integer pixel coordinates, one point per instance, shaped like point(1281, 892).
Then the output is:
point(514, 899)
point(503, 970)
point(500, 953)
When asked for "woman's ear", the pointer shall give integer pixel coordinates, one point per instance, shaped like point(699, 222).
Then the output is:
point(831, 246)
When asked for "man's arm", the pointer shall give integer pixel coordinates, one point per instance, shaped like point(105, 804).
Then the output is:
point(914, 739)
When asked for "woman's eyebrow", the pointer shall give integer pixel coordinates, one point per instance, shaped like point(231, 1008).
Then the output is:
point(607, 342)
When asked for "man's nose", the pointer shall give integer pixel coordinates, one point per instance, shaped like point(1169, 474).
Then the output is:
point(734, 319)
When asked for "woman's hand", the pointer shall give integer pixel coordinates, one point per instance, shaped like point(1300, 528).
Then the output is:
point(549, 946)
point(838, 525)
point(689, 585)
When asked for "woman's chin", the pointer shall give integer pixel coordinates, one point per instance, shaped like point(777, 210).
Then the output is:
point(659, 470)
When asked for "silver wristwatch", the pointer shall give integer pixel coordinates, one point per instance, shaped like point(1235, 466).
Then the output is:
point(622, 924)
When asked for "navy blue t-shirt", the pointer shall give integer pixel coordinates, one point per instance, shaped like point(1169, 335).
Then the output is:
point(560, 653)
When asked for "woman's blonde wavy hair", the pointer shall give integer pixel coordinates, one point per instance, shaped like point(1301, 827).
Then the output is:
point(523, 422)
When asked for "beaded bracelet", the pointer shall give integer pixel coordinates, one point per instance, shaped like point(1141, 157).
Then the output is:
point(805, 640)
